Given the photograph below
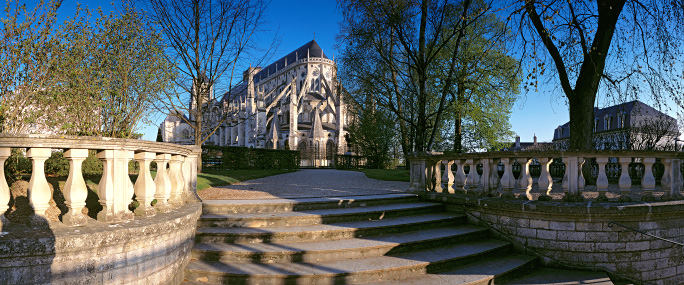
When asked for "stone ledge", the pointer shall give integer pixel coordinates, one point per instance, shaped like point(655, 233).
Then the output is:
point(142, 249)
point(65, 142)
point(584, 209)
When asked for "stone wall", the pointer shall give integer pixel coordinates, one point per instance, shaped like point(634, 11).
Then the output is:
point(578, 235)
point(147, 250)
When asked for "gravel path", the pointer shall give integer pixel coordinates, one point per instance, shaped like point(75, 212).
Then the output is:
point(306, 183)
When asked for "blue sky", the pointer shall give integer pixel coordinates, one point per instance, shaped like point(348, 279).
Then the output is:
point(296, 23)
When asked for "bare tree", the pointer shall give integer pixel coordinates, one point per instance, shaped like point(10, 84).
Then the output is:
point(625, 48)
point(207, 40)
point(654, 133)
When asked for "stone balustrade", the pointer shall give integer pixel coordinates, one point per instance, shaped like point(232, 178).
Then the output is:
point(494, 175)
point(172, 187)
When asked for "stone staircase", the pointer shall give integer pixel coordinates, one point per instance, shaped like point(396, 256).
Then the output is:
point(378, 239)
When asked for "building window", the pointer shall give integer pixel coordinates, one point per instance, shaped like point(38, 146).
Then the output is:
point(595, 124)
point(330, 150)
point(607, 120)
point(621, 120)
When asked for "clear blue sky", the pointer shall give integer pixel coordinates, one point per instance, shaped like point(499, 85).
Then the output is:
point(296, 22)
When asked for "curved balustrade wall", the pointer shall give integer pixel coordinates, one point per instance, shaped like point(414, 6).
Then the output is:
point(575, 232)
point(147, 245)
point(625, 175)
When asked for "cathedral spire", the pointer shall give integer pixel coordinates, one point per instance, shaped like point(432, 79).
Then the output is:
point(316, 126)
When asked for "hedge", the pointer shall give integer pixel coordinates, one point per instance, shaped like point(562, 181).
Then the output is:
point(233, 157)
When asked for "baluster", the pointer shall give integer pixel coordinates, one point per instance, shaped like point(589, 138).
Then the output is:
point(602, 179)
point(144, 185)
point(545, 181)
point(473, 178)
point(38, 188)
point(566, 177)
point(5, 153)
point(493, 176)
point(75, 191)
point(105, 189)
point(666, 181)
point(131, 188)
point(580, 175)
point(162, 183)
point(448, 176)
point(648, 181)
point(625, 183)
point(525, 181)
point(437, 176)
point(676, 177)
point(484, 178)
point(460, 175)
point(176, 178)
point(507, 179)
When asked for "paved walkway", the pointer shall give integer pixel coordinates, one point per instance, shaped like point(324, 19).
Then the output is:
point(306, 183)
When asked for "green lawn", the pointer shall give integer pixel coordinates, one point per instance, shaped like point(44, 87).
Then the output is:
point(212, 178)
point(387, 174)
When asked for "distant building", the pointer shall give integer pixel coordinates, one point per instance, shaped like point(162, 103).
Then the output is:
point(523, 146)
point(291, 104)
point(631, 126)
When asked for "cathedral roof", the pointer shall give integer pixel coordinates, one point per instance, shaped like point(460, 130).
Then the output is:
point(311, 49)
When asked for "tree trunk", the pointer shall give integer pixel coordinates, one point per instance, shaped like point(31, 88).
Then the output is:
point(582, 120)
point(458, 134)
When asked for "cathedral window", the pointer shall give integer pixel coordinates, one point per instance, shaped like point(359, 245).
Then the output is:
point(330, 150)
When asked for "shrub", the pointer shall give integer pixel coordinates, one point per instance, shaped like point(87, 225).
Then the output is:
point(231, 157)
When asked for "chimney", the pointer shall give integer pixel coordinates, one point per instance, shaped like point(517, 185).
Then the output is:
point(517, 141)
point(535, 139)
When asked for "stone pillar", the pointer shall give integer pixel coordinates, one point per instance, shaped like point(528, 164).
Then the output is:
point(418, 173)
point(648, 181)
point(114, 189)
point(484, 178)
point(436, 176)
point(5, 152)
point(666, 181)
point(162, 183)
point(545, 181)
point(580, 175)
point(602, 179)
point(190, 175)
point(675, 177)
point(38, 188)
point(448, 176)
point(493, 176)
point(625, 183)
point(572, 174)
point(525, 183)
point(507, 180)
point(460, 179)
point(241, 132)
point(144, 186)
point(75, 190)
point(473, 178)
point(176, 178)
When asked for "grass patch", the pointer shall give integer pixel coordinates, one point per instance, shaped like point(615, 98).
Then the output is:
point(213, 178)
point(387, 174)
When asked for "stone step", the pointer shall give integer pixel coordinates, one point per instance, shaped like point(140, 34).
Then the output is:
point(321, 232)
point(490, 271)
point(303, 204)
point(552, 276)
point(352, 248)
point(315, 217)
point(389, 267)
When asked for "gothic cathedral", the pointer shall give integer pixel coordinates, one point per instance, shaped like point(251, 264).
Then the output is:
point(294, 103)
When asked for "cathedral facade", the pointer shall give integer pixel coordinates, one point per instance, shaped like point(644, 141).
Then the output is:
point(293, 103)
